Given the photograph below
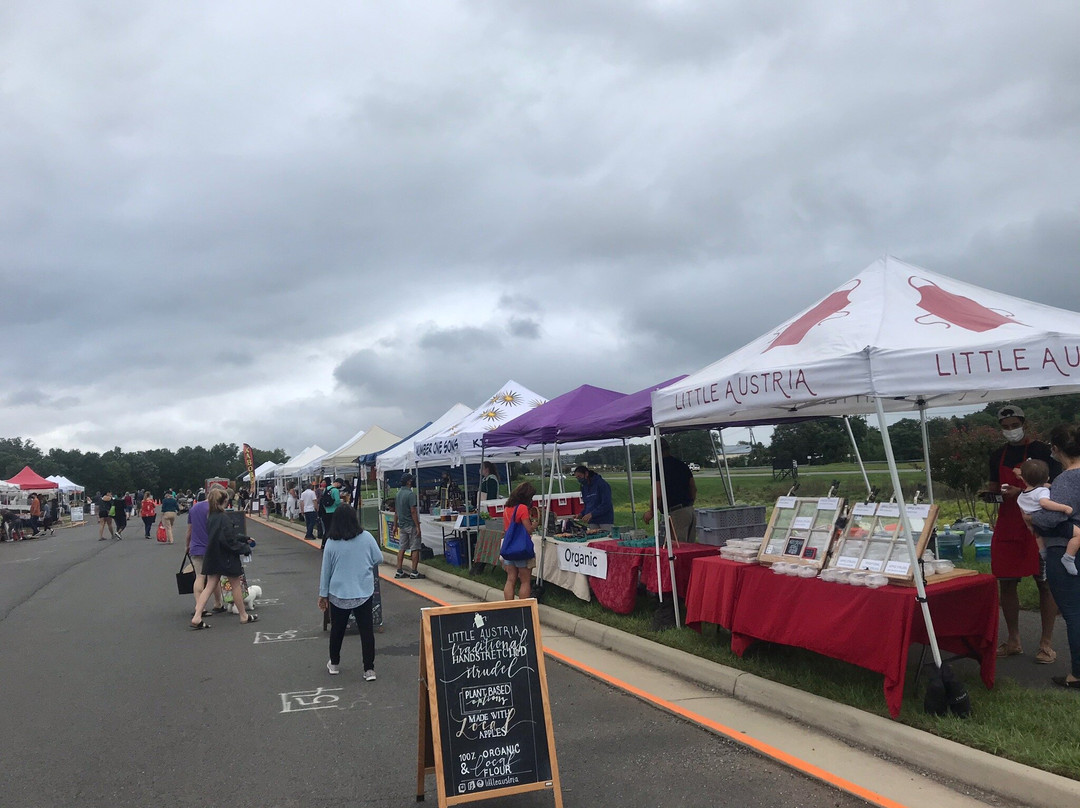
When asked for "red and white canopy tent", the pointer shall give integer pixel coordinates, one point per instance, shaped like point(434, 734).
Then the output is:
point(30, 480)
point(895, 338)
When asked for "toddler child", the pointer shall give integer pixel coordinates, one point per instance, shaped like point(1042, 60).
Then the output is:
point(1036, 474)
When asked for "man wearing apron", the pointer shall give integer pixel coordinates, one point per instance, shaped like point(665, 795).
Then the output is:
point(1013, 552)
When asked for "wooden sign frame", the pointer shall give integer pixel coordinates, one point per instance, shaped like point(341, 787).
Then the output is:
point(805, 545)
point(429, 738)
point(882, 531)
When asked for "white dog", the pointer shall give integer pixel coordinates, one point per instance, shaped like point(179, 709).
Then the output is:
point(254, 592)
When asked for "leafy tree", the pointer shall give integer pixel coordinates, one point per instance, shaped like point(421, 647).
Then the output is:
point(960, 459)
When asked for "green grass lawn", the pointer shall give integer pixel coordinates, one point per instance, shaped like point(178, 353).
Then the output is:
point(1039, 728)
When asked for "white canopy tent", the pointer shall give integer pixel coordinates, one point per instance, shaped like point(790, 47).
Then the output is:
point(262, 472)
point(295, 465)
point(894, 338)
point(66, 485)
point(463, 442)
point(363, 442)
point(402, 456)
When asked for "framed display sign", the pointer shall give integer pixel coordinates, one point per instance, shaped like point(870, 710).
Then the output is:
point(801, 530)
point(485, 715)
point(873, 539)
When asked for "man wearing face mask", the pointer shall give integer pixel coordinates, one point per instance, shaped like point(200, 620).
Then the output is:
point(1013, 551)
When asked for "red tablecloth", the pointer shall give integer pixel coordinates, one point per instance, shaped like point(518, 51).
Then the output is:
point(872, 628)
point(618, 591)
point(685, 554)
point(714, 587)
point(628, 565)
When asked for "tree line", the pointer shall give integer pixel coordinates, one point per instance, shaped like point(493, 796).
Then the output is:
point(186, 468)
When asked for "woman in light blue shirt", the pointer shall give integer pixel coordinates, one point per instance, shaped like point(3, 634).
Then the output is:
point(349, 564)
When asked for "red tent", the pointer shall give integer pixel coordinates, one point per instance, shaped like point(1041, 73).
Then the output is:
point(30, 480)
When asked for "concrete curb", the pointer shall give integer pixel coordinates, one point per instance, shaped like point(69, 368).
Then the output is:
point(920, 750)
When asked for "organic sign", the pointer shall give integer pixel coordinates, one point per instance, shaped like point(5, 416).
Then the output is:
point(485, 719)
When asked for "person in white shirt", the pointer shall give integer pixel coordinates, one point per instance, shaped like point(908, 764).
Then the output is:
point(309, 505)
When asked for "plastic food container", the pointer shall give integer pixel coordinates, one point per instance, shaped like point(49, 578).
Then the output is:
point(943, 566)
point(857, 578)
point(807, 572)
point(876, 581)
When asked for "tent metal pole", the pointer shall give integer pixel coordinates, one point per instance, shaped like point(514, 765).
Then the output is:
point(630, 483)
point(926, 450)
point(858, 455)
point(655, 505)
point(669, 528)
point(546, 510)
point(509, 488)
point(727, 468)
point(905, 525)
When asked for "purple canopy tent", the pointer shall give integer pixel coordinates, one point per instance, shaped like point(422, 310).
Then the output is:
point(624, 417)
point(542, 424)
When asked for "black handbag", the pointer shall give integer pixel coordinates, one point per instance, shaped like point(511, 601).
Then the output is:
point(185, 579)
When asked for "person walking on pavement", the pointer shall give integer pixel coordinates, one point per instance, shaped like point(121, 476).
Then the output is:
point(195, 545)
point(148, 512)
point(105, 506)
point(1014, 553)
point(308, 506)
point(346, 585)
point(407, 527)
point(169, 509)
point(35, 513)
point(329, 503)
point(223, 550)
point(120, 517)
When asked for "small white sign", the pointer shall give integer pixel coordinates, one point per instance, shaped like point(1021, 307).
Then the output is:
point(864, 509)
point(772, 549)
point(888, 509)
point(583, 560)
point(871, 565)
point(898, 567)
point(76, 514)
point(828, 503)
point(847, 562)
point(918, 511)
point(786, 502)
point(802, 523)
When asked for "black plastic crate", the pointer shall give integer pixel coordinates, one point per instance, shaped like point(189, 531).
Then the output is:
point(737, 516)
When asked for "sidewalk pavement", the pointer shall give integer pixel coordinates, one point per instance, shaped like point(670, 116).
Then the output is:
point(810, 733)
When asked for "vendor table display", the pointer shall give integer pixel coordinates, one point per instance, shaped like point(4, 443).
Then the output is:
point(873, 539)
point(801, 530)
point(871, 628)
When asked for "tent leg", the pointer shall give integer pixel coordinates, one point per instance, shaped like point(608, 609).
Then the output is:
point(920, 587)
point(926, 451)
point(655, 505)
point(670, 529)
point(630, 483)
point(858, 455)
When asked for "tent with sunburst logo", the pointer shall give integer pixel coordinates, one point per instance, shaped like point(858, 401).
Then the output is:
point(464, 442)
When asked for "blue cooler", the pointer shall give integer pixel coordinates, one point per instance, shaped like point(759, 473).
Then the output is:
point(456, 552)
point(950, 545)
point(982, 544)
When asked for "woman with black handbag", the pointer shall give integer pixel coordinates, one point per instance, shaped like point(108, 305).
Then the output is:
point(516, 552)
point(223, 550)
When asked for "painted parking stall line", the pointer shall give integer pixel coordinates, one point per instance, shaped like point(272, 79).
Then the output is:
point(291, 635)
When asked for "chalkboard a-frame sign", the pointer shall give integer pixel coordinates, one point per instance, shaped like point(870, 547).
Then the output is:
point(485, 716)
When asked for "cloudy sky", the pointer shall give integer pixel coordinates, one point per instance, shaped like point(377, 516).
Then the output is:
point(281, 222)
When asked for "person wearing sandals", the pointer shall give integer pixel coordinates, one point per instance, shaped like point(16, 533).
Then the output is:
point(222, 557)
point(1056, 529)
point(196, 542)
point(518, 572)
point(347, 584)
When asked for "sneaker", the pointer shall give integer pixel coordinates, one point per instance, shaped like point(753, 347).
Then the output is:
point(416, 575)
point(369, 676)
point(333, 669)
point(400, 574)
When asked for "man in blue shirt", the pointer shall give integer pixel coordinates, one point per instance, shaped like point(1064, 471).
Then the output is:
point(596, 494)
